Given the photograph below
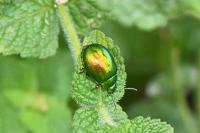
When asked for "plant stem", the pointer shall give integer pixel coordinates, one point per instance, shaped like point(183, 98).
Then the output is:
point(69, 29)
point(177, 83)
point(198, 88)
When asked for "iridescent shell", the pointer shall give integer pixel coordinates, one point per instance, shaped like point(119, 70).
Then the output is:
point(100, 65)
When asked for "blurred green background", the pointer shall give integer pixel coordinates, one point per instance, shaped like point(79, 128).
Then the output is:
point(161, 62)
point(163, 65)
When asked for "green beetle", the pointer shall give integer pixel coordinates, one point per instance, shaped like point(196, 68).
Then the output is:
point(100, 66)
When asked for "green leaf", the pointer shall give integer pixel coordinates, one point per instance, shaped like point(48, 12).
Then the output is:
point(52, 75)
point(98, 118)
point(99, 111)
point(38, 90)
point(107, 119)
point(184, 33)
point(17, 74)
point(86, 15)
point(9, 120)
point(146, 125)
point(40, 113)
point(55, 75)
point(193, 6)
point(44, 112)
point(84, 90)
point(159, 109)
point(56, 119)
point(151, 14)
point(146, 15)
point(28, 28)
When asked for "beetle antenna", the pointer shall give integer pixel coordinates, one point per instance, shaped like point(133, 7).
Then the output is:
point(131, 89)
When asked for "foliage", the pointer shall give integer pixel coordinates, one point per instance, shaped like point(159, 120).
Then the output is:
point(30, 28)
point(147, 57)
point(148, 15)
point(29, 100)
point(159, 40)
point(145, 14)
point(100, 108)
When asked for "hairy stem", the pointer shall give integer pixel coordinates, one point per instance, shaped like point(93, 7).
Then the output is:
point(198, 89)
point(69, 29)
point(177, 83)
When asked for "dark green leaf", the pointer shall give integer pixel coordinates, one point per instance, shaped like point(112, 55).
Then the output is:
point(28, 28)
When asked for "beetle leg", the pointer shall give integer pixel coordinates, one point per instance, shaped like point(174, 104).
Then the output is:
point(97, 86)
point(82, 70)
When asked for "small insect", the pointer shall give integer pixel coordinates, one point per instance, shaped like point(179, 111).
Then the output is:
point(100, 66)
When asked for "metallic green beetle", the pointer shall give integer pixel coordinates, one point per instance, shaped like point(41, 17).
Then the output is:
point(100, 66)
